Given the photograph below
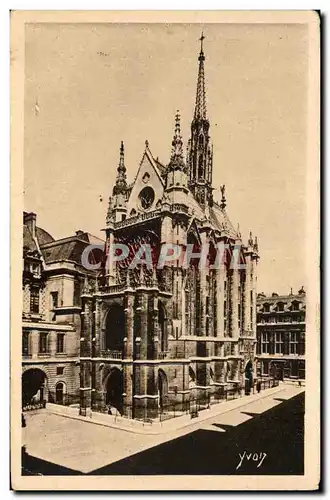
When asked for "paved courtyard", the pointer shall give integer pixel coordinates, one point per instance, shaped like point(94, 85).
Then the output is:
point(59, 445)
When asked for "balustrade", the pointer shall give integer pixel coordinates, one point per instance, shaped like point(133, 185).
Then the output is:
point(110, 353)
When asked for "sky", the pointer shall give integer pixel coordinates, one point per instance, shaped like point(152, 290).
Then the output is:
point(89, 86)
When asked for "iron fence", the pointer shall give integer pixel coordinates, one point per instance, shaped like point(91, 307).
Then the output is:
point(192, 407)
point(33, 405)
point(267, 383)
point(63, 399)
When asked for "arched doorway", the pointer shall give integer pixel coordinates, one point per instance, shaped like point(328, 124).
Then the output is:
point(192, 377)
point(114, 389)
point(34, 386)
point(162, 388)
point(248, 371)
point(59, 393)
point(115, 328)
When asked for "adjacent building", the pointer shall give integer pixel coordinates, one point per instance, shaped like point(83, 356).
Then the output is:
point(281, 327)
point(53, 280)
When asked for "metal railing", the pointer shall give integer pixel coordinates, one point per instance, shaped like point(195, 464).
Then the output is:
point(64, 399)
point(113, 288)
point(179, 207)
point(137, 218)
point(162, 354)
point(33, 405)
point(111, 353)
point(266, 383)
point(192, 407)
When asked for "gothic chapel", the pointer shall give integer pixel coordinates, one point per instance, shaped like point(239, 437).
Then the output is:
point(155, 338)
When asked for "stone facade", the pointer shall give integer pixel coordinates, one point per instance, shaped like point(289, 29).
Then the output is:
point(52, 282)
point(168, 335)
point(281, 327)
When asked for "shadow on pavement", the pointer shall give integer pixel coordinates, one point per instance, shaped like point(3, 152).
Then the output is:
point(278, 433)
point(32, 466)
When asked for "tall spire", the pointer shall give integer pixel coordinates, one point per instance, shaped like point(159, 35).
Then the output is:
point(200, 156)
point(177, 161)
point(200, 105)
point(121, 184)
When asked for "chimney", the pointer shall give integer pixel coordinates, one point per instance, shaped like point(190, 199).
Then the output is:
point(79, 232)
point(29, 220)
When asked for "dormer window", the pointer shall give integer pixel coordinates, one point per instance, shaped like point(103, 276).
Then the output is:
point(266, 308)
point(295, 306)
point(280, 307)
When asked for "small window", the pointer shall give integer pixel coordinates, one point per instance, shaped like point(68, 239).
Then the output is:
point(280, 307)
point(60, 343)
point(43, 348)
point(34, 299)
point(25, 344)
point(59, 370)
point(35, 268)
point(54, 296)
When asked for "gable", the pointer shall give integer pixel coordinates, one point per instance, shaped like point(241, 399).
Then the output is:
point(146, 177)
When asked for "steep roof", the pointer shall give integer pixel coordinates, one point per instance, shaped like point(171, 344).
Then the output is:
point(221, 221)
point(43, 237)
point(269, 299)
point(69, 249)
point(160, 166)
point(29, 243)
